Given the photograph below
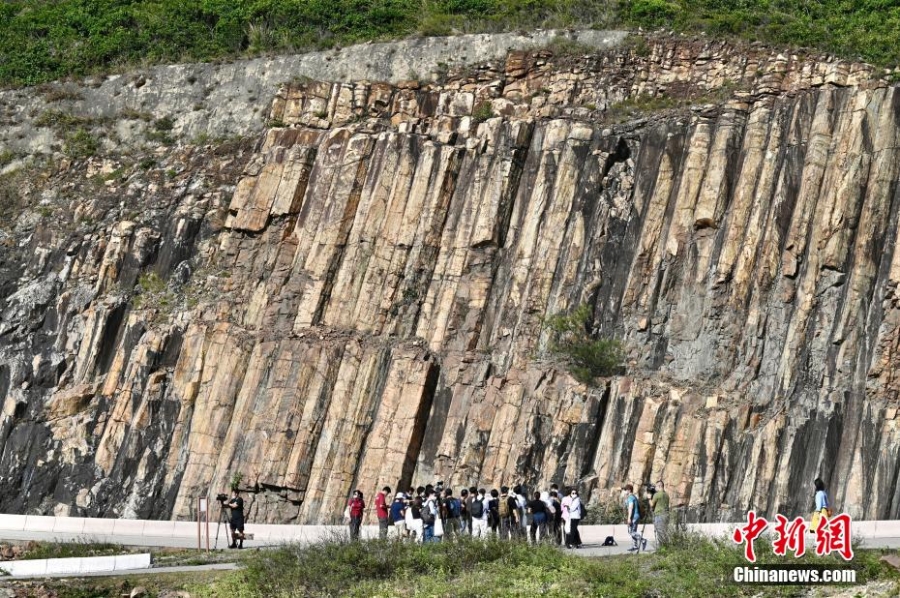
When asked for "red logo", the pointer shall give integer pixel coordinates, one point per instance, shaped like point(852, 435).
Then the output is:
point(749, 533)
point(832, 535)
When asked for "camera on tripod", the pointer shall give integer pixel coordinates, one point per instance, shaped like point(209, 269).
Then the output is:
point(650, 489)
point(221, 497)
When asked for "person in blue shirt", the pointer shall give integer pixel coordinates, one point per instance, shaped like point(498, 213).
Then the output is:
point(632, 516)
point(398, 514)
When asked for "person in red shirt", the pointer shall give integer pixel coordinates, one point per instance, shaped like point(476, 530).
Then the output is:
point(356, 506)
point(382, 511)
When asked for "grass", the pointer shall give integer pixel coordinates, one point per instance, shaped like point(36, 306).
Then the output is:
point(46, 40)
point(691, 566)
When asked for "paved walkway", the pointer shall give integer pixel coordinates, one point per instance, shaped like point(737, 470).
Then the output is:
point(183, 534)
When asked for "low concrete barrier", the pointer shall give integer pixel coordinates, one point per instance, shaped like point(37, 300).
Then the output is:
point(76, 566)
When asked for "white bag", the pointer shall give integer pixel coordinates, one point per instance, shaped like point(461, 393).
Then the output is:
point(347, 514)
point(438, 527)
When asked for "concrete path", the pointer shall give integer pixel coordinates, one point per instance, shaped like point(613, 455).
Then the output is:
point(183, 534)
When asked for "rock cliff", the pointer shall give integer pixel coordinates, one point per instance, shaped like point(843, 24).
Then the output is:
point(357, 296)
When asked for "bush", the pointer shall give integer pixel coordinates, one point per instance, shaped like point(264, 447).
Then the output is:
point(587, 358)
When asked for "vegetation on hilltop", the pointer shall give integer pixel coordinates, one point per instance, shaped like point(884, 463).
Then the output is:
point(43, 40)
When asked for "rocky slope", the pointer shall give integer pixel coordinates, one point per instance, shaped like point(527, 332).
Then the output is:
point(357, 297)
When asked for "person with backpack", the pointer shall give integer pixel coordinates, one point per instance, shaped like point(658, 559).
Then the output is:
point(356, 506)
point(452, 513)
point(473, 496)
point(494, 512)
point(509, 515)
point(430, 513)
point(572, 515)
point(479, 511)
point(632, 517)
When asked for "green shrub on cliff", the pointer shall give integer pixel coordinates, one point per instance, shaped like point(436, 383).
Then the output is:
point(586, 356)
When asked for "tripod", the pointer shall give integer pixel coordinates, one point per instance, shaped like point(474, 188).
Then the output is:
point(219, 524)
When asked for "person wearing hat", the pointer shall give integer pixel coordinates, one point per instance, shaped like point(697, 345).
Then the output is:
point(398, 515)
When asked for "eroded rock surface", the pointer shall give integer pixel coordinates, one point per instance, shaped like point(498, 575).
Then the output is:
point(357, 298)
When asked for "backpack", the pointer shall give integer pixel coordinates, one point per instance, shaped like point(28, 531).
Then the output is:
point(477, 509)
point(504, 508)
point(455, 508)
point(582, 511)
point(427, 515)
point(609, 541)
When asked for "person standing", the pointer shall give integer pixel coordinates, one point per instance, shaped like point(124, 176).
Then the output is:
point(452, 511)
point(479, 511)
point(556, 520)
point(236, 522)
point(382, 512)
point(398, 515)
point(521, 501)
point(465, 522)
point(494, 512)
point(429, 516)
point(572, 513)
point(414, 519)
point(357, 507)
point(659, 502)
point(509, 515)
point(473, 495)
point(537, 508)
point(632, 517)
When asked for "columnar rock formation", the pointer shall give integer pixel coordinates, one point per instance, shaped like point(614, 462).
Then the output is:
point(359, 300)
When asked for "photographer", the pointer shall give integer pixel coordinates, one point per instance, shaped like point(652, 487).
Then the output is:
point(236, 505)
point(659, 502)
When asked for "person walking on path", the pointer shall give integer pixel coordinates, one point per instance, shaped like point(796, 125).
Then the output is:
point(823, 505)
point(383, 512)
point(572, 515)
point(659, 502)
point(398, 515)
point(357, 507)
point(632, 516)
point(537, 508)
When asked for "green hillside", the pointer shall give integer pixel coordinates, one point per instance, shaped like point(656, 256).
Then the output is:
point(42, 40)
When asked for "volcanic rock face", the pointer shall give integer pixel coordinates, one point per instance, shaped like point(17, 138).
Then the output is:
point(359, 299)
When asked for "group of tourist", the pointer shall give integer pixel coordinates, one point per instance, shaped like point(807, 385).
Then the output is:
point(430, 513)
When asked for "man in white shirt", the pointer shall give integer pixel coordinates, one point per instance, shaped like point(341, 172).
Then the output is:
point(524, 517)
point(480, 520)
